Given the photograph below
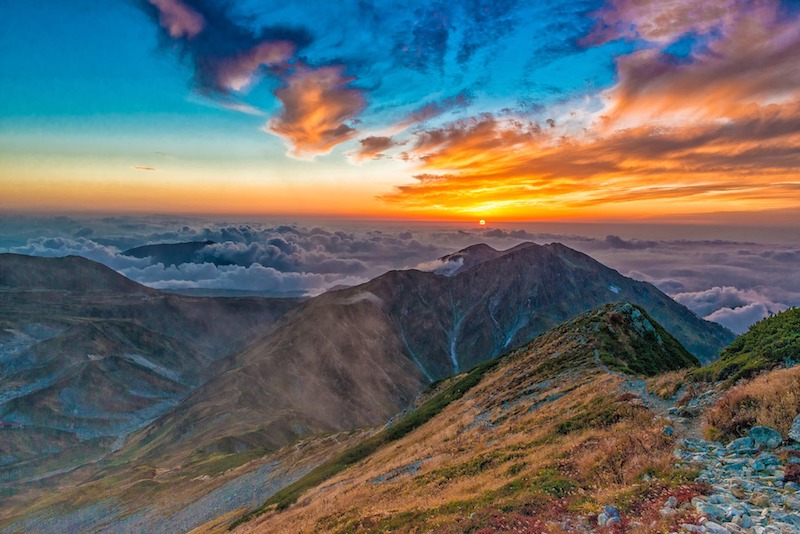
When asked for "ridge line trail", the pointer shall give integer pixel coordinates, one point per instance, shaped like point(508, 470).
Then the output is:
point(687, 427)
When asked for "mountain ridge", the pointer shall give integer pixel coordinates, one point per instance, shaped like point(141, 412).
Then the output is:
point(356, 356)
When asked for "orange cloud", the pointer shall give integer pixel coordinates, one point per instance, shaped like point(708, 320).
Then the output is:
point(754, 62)
point(316, 105)
point(719, 131)
point(179, 19)
point(475, 166)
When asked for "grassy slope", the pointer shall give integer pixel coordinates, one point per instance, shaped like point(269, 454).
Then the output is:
point(767, 344)
point(352, 455)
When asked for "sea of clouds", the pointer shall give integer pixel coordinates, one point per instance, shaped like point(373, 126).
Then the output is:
point(734, 282)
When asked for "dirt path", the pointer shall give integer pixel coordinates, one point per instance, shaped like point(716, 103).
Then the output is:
point(686, 427)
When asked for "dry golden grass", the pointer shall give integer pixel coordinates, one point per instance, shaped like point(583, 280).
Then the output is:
point(526, 462)
point(771, 399)
point(667, 385)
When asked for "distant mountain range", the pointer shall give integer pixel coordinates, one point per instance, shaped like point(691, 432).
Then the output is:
point(87, 356)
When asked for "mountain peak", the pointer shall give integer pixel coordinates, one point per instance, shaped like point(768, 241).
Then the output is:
point(467, 258)
point(630, 341)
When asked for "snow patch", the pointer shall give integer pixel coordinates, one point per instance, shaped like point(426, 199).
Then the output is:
point(613, 288)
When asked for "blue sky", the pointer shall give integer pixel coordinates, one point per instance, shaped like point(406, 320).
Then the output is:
point(398, 108)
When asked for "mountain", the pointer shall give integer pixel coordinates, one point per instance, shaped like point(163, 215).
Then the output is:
point(87, 356)
point(538, 440)
point(355, 357)
point(278, 372)
point(72, 273)
point(169, 253)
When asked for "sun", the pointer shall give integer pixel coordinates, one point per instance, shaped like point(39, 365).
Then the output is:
point(482, 222)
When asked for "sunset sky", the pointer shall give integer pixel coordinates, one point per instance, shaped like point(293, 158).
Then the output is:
point(461, 110)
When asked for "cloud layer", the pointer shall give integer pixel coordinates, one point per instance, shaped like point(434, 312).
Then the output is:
point(731, 281)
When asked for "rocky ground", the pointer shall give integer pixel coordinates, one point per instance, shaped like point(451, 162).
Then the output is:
point(754, 482)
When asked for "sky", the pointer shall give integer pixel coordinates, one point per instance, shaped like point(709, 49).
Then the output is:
point(505, 110)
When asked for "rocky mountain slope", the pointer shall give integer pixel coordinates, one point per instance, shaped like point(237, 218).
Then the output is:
point(87, 356)
point(357, 356)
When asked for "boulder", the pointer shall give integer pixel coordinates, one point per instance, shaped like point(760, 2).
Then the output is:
point(742, 445)
point(794, 432)
point(765, 437)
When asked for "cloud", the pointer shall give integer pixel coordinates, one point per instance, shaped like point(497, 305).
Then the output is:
point(316, 105)
point(658, 21)
point(236, 72)
point(436, 109)
point(739, 319)
point(615, 241)
point(709, 301)
point(225, 53)
point(179, 19)
point(255, 277)
point(229, 58)
point(142, 168)
point(373, 147)
point(443, 267)
point(749, 64)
